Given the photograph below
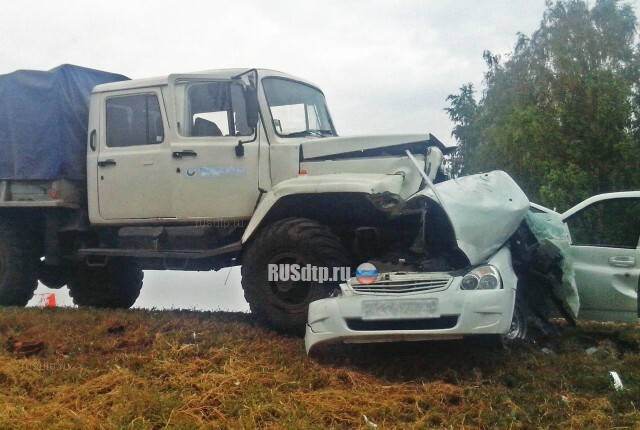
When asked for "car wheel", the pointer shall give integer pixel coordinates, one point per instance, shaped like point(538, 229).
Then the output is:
point(519, 323)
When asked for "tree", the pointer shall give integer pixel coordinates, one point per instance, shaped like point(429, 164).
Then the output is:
point(463, 112)
point(562, 113)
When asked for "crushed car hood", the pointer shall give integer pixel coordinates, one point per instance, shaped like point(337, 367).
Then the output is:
point(484, 210)
point(363, 146)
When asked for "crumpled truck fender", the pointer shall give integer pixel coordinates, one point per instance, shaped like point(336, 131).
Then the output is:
point(318, 184)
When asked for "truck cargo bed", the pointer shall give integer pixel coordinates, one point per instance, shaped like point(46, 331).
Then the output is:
point(43, 122)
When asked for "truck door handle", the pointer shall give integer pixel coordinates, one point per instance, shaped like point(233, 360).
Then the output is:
point(622, 261)
point(105, 163)
point(185, 153)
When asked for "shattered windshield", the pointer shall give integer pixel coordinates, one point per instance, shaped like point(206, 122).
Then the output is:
point(297, 109)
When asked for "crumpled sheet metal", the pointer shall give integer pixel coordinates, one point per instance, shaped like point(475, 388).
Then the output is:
point(484, 209)
point(549, 226)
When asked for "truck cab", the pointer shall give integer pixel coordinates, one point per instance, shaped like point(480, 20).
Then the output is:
point(171, 144)
point(205, 147)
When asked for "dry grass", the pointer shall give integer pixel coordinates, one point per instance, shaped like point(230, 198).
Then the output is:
point(238, 375)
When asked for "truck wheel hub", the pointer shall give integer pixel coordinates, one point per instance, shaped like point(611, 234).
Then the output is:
point(284, 287)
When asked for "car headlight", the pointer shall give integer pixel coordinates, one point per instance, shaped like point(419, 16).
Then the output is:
point(482, 278)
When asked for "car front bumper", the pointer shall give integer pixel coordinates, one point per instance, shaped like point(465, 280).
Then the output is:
point(459, 313)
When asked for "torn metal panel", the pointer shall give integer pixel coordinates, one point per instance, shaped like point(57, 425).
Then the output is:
point(369, 146)
point(484, 210)
point(549, 227)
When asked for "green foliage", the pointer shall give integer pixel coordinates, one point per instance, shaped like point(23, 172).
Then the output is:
point(463, 113)
point(562, 113)
point(566, 184)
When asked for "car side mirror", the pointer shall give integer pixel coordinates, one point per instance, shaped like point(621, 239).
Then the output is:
point(253, 110)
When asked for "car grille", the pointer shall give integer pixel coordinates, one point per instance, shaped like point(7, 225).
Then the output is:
point(442, 323)
point(403, 283)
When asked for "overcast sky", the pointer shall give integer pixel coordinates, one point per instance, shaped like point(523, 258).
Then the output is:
point(385, 67)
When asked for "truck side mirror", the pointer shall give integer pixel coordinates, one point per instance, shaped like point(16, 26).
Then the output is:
point(253, 110)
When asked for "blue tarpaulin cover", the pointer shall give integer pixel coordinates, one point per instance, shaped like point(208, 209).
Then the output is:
point(43, 122)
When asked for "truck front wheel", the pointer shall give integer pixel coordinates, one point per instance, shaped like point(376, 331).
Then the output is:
point(18, 264)
point(281, 298)
point(116, 285)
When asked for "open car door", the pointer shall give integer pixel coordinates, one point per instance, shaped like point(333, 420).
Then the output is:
point(605, 248)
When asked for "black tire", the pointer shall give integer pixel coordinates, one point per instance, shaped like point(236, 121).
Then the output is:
point(519, 323)
point(284, 305)
point(55, 277)
point(18, 264)
point(116, 285)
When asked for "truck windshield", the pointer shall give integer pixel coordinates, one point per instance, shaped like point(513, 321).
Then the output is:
point(297, 109)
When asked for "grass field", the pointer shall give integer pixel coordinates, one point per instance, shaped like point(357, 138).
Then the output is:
point(182, 369)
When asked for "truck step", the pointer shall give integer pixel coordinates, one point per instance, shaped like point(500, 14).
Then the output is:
point(148, 253)
point(179, 238)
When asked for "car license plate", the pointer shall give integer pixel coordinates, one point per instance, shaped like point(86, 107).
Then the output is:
point(399, 309)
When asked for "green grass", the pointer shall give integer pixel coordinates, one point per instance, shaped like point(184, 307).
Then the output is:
point(240, 375)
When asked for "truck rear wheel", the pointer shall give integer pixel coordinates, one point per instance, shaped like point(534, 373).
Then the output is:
point(55, 277)
point(116, 285)
point(18, 264)
point(284, 305)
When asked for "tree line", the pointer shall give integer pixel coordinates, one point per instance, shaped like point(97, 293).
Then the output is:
point(561, 112)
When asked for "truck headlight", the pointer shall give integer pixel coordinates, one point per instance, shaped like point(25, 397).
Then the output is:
point(484, 277)
point(433, 162)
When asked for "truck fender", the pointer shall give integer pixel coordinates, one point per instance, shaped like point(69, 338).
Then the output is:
point(323, 184)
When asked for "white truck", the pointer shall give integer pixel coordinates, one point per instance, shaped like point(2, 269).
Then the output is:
point(203, 171)
point(195, 172)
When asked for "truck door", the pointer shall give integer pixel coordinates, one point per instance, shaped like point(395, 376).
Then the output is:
point(211, 178)
point(606, 256)
point(134, 158)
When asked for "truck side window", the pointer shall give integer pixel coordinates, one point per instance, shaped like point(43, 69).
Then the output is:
point(609, 223)
point(134, 120)
point(215, 109)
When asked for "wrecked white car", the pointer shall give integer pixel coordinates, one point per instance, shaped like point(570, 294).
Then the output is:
point(522, 263)
point(483, 213)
